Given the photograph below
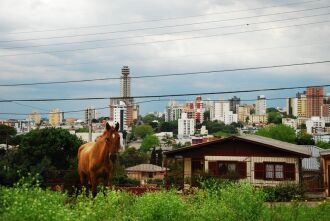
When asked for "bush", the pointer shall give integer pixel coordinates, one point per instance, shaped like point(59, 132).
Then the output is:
point(124, 180)
point(284, 192)
point(160, 206)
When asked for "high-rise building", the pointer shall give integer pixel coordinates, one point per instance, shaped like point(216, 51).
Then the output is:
point(132, 112)
point(199, 109)
point(233, 103)
point(125, 82)
point(90, 114)
point(186, 126)
point(326, 106)
point(292, 106)
point(243, 112)
point(34, 117)
point(314, 101)
point(220, 108)
point(55, 117)
point(119, 115)
point(301, 105)
point(173, 111)
point(261, 105)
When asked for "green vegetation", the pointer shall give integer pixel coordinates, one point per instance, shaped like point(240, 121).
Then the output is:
point(143, 130)
point(323, 144)
point(39, 151)
point(278, 132)
point(148, 142)
point(230, 201)
point(6, 134)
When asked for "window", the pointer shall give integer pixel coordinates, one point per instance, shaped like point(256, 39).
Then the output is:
point(228, 169)
point(274, 171)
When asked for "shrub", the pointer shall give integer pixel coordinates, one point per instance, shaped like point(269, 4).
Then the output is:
point(284, 192)
point(165, 205)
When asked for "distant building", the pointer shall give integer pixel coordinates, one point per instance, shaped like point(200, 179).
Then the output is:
point(186, 126)
point(314, 101)
point(315, 125)
point(173, 111)
point(301, 104)
point(291, 107)
point(233, 103)
point(120, 115)
point(243, 112)
point(90, 114)
point(199, 109)
point(290, 122)
point(132, 110)
point(35, 117)
point(220, 108)
point(261, 105)
point(55, 117)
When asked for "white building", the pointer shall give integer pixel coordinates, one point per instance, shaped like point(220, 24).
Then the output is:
point(186, 126)
point(229, 118)
point(220, 108)
point(290, 122)
point(222, 113)
point(261, 105)
point(315, 125)
point(120, 114)
point(173, 111)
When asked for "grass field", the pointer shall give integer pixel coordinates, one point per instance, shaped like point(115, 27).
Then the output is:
point(233, 202)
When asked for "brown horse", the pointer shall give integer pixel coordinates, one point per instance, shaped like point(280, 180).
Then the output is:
point(94, 161)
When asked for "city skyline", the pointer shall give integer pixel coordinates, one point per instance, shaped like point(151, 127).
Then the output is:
point(214, 36)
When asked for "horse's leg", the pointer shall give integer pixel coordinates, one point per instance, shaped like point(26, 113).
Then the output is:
point(84, 182)
point(93, 180)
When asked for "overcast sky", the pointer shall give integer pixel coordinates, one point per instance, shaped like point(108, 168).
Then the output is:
point(177, 37)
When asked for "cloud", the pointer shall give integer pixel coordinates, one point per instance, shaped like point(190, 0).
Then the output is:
point(243, 48)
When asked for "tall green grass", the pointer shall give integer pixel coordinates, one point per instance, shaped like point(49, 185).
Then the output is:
point(230, 202)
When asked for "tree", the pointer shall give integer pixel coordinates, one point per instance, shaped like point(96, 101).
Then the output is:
point(271, 109)
point(304, 138)
point(323, 144)
point(278, 132)
point(159, 157)
point(42, 150)
point(207, 116)
point(6, 133)
point(149, 118)
point(274, 117)
point(131, 157)
point(153, 156)
point(148, 142)
point(171, 126)
point(143, 130)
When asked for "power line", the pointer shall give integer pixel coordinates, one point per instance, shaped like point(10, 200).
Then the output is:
point(167, 33)
point(164, 19)
point(169, 75)
point(155, 100)
point(161, 27)
point(194, 55)
point(166, 95)
point(164, 41)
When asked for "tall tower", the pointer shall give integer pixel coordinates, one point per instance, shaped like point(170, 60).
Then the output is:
point(314, 101)
point(131, 109)
point(125, 82)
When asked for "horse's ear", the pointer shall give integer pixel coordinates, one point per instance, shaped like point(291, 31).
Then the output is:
point(107, 126)
point(117, 126)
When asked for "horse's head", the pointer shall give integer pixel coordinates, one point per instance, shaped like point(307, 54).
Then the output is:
point(112, 137)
